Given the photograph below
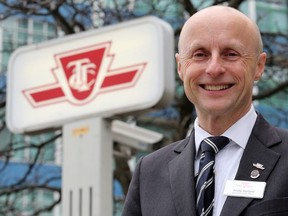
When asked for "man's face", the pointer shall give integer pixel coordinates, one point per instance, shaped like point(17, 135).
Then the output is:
point(218, 63)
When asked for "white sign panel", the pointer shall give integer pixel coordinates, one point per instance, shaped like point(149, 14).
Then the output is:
point(112, 70)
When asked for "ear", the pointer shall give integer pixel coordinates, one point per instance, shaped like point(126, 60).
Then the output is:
point(260, 66)
point(177, 57)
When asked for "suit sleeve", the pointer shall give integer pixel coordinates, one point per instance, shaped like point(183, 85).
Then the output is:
point(132, 205)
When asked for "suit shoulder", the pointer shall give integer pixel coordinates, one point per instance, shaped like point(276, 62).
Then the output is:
point(268, 133)
point(282, 132)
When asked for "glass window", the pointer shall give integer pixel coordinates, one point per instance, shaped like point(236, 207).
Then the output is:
point(37, 38)
point(31, 201)
point(5, 137)
point(22, 38)
point(7, 46)
point(47, 198)
point(17, 199)
point(38, 27)
point(51, 30)
point(23, 24)
point(37, 200)
point(3, 68)
point(48, 152)
point(18, 141)
point(7, 36)
point(5, 58)
point(272, 17)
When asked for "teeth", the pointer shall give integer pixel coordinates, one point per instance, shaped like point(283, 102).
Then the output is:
point(216, 87)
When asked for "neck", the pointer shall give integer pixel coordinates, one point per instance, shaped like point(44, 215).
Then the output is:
point(218, 124)
point(214, 126)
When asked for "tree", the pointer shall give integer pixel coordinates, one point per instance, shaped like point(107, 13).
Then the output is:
point(71, 17)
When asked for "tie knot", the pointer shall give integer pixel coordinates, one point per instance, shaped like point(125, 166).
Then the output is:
point(214, 144)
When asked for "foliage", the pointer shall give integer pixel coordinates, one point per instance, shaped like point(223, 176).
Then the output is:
point(72, 16)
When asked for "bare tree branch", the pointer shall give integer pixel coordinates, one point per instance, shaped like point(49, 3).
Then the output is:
point(71, 17)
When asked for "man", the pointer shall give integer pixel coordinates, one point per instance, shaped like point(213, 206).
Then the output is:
point(220, 57)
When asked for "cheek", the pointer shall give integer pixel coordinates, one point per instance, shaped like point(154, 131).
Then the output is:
point(189, 72)
point(190, 82)
point(245, 72)
point(190, 91)
point(250, 69)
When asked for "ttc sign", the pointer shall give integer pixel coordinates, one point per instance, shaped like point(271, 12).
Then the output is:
point(78, 79)
point(112, 70)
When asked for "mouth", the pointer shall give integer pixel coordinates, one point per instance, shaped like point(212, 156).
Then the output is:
point(216, 87)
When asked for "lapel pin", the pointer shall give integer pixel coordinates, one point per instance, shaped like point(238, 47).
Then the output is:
point(254, 174)
point(259, 166)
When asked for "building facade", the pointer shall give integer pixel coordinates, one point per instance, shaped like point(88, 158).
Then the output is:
point(15, 33)
point(271, 16)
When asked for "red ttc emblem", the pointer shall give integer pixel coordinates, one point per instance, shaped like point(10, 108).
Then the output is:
point(80, 75)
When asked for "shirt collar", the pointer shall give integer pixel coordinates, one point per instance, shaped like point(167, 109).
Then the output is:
point(238, 132)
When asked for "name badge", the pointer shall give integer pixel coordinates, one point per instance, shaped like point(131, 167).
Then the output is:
point(249, 189)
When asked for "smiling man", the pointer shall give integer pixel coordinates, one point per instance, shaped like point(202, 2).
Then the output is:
point(234, 162)
point(220, 57)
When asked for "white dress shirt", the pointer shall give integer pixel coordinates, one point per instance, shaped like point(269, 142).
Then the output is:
point(228, 159)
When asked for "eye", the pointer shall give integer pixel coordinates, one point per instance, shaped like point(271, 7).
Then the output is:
point(199, 54)
point(231, 54)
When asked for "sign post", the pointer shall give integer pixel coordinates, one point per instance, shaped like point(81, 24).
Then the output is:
point(75, 82)
point(87, 168)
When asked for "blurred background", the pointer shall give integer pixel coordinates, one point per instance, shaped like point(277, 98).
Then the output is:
point(30, 164)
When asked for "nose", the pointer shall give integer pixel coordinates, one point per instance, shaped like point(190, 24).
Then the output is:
point(215, 66)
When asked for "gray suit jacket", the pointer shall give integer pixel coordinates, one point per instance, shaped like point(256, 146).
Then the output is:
point(163, 183)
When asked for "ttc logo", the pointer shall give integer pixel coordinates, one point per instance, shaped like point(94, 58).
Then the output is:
point(80, 75)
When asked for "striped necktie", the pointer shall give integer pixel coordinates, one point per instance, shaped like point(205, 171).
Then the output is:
point(205, 180)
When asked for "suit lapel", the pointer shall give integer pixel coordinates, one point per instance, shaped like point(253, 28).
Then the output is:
point(257, 151)
point(181, 170)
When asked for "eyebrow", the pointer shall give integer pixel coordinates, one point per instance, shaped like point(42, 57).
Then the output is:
point(198, 44)
point(193, 46)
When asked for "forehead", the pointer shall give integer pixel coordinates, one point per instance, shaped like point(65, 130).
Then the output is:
point(222, 37)
point(217, 26)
